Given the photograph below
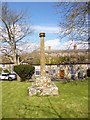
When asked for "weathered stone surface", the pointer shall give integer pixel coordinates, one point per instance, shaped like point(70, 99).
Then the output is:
point(43, 86)
point(32, 91)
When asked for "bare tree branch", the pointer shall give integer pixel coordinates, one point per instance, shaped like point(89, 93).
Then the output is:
point(13, 30)
point(74, 16)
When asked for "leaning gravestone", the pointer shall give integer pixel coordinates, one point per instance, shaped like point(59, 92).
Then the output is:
point(43, 84)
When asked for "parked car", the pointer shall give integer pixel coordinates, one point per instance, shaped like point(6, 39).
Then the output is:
point(8, 76)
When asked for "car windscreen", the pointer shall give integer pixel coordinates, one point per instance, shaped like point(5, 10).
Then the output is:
point(5, 74)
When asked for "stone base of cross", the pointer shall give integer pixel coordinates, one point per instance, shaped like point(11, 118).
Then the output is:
point(43, 87)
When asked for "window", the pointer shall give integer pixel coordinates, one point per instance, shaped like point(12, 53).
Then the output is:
point(58, 65)
point(54, 71)
point(3, 65)
point(5, 74)
point(37, 72)
point(47, 72)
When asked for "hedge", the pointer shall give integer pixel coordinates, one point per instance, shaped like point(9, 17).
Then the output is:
point(25, 72)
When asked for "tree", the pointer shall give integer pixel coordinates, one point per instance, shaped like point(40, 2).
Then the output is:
point(74, 21)
point(13, 30)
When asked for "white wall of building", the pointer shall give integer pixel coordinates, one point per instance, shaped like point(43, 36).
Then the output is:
point(54, 70)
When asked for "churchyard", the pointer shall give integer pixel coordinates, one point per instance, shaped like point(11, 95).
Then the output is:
point(71, 102)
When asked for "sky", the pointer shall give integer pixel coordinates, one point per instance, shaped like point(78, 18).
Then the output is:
point(43, 17)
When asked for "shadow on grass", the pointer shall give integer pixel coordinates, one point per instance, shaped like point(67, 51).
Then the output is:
point(53, 108)
point(26, 110)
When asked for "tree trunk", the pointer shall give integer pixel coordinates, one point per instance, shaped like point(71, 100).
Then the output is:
point(14, 57)
point(15, 60)
point(14, 54)
point(18, 78)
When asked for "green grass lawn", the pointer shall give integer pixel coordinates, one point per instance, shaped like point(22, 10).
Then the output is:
point(72, 101)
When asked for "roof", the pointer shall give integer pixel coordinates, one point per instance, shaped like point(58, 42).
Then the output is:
point(65, 63)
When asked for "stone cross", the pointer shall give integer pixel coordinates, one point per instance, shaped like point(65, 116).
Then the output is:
point(42, 54)
point(43, 85)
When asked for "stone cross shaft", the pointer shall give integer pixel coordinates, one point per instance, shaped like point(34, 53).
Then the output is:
point(42, 54)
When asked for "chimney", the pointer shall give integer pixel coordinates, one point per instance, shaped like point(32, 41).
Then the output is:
point(49, 48)
point(75, 47)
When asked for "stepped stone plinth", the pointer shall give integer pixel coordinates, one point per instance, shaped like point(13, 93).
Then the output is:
point(42, 87)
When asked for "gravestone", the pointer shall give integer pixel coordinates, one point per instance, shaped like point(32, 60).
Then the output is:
point(43, 85)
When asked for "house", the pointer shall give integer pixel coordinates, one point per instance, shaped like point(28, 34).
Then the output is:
point(54, 70)
point(8, 66)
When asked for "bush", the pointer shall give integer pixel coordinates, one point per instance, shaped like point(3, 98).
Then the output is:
point(24, 71)
point(0, 70)
point(6, 71)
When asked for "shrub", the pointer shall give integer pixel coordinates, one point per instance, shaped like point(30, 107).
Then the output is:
point(0, 70)
point(24, 71)
point(6, 71)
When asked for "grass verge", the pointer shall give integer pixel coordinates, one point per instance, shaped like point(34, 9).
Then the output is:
point(72, 101)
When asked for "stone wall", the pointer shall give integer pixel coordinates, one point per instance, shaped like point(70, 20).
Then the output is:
point(54, 70)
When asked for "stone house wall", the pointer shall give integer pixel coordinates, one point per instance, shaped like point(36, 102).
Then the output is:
point(54, 70)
